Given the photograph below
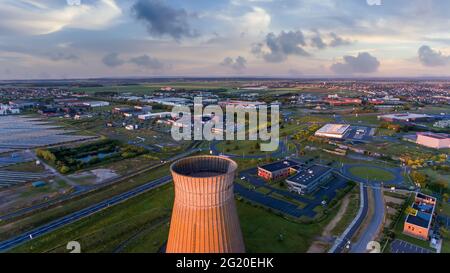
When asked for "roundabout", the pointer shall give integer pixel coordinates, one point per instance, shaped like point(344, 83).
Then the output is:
point(364, 173)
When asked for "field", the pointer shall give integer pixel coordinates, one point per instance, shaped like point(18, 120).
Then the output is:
point(371, 173)
point(240, 147)
point(141, 225)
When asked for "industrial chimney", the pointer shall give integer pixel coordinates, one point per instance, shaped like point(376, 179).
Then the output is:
point(204, 216)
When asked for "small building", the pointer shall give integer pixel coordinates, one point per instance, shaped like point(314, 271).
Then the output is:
point(433, 140)
point(336, 131)
point(277, 170)
point(38, 184)
point(132, 127)
point(420, 217)
point(308, 180)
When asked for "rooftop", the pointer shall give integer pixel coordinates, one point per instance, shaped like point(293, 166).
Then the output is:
point(279, 165)
point(424, 211)
point(434, 135)
point(333, 129)
point(405, 116)
point(307, 176)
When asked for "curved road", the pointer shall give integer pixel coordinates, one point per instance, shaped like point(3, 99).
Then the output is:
point(375, 223)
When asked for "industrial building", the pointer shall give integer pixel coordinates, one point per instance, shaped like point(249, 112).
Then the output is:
point(244, 104)
point(277, 170)
point(336, 131)
point(204, 217)
point(420, 217)
point(308, 180)
point(94, 104)
point(403, 118)
point(433, 140)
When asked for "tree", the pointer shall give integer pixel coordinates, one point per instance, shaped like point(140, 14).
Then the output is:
point(419, 179)
point(64, 169)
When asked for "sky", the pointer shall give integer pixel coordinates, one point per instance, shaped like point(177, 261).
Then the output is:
point(63, 39)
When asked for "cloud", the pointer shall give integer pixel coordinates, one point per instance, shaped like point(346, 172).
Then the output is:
point(31, 17)
point(338, 41)
point(238, 64)
point(280, 46)
point(112, 60)
point(430, 57)
point(60, 56)
point(143, 61)
point(363, 63)
point(317, 41)
point(163, 20)
point(147, 62)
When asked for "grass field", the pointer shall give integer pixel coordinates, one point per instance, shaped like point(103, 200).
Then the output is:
point(141, 225)
point(371, 173)
point(240, 147)
point(108, 229)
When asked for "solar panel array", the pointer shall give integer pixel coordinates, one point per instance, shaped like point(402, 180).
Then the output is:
point(18, 132)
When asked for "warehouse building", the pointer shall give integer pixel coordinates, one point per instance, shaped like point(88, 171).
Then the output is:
point(433, 140)
point(403, 118)
point(337, 131)
point(308, 180)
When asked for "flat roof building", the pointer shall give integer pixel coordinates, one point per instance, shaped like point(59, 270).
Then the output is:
point(405, 117)
point(277, 170)
point(337, 131)
point(308, 180)
point(420, 217)
point(433, 140)
point(244, 104)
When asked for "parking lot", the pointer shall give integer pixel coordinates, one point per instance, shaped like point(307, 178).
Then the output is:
point(399, 246)
point(360, 133)
point(329, 190)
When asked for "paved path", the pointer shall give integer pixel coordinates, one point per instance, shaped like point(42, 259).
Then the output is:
point(376, 222)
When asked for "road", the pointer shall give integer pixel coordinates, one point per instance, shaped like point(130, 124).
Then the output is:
point(62, 199)
point(73, 217)
point(342, 241)
point(371, 231)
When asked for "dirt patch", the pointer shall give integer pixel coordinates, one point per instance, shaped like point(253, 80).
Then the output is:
point(322, 244)
point(96, 176)
point(390, 199)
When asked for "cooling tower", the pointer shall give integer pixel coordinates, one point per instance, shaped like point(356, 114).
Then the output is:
point(204, 216)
